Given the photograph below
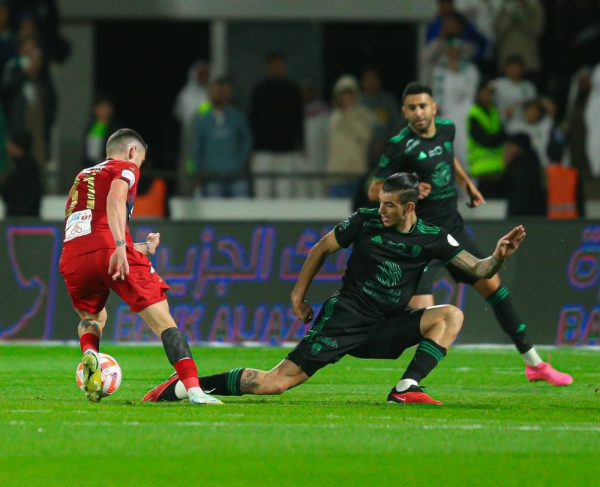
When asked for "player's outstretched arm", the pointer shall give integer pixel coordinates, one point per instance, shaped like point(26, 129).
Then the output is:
point(149, 246)
point(317, 256)
point(488, 267)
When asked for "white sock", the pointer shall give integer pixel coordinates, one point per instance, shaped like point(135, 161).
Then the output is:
point(532, 358)
point(180, 390)
point(405, 384)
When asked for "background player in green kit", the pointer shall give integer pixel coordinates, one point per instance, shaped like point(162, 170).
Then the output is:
point(425, 148)
point(368, 316)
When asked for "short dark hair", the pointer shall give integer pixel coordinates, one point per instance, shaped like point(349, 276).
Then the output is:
point(416, 88)
point(275, 55)
point(515, 58)
point(123, 137)
point(406, 183)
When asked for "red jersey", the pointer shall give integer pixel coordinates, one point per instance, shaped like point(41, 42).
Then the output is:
point(86, 221)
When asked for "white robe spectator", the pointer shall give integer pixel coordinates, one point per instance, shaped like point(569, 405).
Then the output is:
point(592, 115)
point(454, 87)
point(187, 106)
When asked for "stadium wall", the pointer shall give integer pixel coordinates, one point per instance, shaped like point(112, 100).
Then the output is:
point(231, 282)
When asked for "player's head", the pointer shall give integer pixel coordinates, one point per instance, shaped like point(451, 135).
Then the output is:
point(418, 107)
point(276, 64)
point(514, 67)
point(127, 145)
point(398, 197)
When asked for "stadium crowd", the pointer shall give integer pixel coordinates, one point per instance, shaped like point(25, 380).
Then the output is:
point(520, 79)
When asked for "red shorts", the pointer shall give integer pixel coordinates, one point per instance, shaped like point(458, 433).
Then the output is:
point(89, 282)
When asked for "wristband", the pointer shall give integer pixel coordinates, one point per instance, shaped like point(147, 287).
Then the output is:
point(119, 243)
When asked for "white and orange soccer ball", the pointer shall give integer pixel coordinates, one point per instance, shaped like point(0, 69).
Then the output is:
point(111, 374)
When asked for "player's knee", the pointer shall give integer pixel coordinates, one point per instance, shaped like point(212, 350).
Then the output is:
point(454, 320)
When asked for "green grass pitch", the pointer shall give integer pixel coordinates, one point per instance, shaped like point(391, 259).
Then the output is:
point(495, 428)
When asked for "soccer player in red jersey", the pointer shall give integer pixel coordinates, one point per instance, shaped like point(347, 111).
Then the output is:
point(99, 255)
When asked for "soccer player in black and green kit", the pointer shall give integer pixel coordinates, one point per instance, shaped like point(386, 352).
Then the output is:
point(368, 316)
point(425, 147)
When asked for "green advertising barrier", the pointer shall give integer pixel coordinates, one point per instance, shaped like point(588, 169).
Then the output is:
point(231, 282)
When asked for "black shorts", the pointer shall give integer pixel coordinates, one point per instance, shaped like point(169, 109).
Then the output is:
point(425, 285)
point(340, 330)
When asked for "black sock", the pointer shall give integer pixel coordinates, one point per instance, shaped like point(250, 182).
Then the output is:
point(427, 356)
point(509, 320)
point(224, 384)
point(175, 345)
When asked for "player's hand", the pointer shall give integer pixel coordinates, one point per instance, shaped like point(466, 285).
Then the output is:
point(509, 244)
point(424, 190)
point(303, 311)
point(118, 267)
point(153, 240)
point(475, 197)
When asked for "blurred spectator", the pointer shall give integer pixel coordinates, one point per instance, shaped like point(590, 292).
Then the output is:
point(592, 115)
point(512, 89)
point(519, 26)
point(386, 113)
point(30, 97)
point(574, 122)
point(221, 146)
point(22, 190)
point(538, 123)
point(524, 178)
point(191, 100)
point(450, 23)
point(101, 125)
point(350, 131)
point(276, 119)
point(316, 119)
point(8, 44)
point(3, 142)
point(454, 86)
point(481, 14)
point(40, 18)
point(486, 142)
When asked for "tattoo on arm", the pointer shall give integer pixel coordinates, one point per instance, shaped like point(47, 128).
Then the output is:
point(249, 379)
point(482, 268)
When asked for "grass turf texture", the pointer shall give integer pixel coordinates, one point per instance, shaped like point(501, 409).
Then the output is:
point(495, 428)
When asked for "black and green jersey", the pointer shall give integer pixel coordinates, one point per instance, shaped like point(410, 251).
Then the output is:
point(385, 265)
point(432, 158)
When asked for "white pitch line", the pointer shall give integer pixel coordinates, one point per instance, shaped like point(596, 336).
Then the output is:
point(584, 428)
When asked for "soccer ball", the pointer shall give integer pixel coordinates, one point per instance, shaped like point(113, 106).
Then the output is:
point(111, 374)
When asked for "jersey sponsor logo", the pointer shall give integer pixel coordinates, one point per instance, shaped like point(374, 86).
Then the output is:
point(422, 156)
point(452, 241)
point(377, 239)
point(127, 174)
point(411, 144)
point(441, 175)
point(78, 225)
point(388, 273)
point(384, 161)
point(343, 225)
point(436, 151)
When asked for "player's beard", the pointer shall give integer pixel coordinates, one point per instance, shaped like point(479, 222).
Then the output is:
point(424, 128)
